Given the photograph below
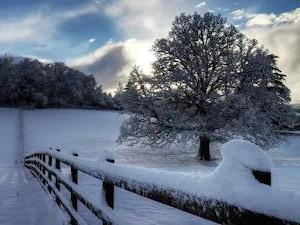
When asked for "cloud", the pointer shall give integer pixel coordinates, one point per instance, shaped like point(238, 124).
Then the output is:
point(241, 14)
point(201, 4)
point(281, 35)
point(24, 29)
point(264, 19)
point(112, 62)
point(92, 40)
point(40, 26)
point(261, 20)
point(106, 63)
point(146, 19)
point(140, 23)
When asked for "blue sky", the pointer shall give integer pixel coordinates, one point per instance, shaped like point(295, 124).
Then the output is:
point(106, 37)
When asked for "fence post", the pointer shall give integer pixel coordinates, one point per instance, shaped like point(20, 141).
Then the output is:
point(40, 158)
point(109, 189)
point(57, 185)
point(74, 175)
point(43, 168)
point(49, 174)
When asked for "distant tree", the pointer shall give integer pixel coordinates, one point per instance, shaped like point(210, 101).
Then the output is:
point(209, 82)
point(7, 70)
point(30, 83)
point(118, 96)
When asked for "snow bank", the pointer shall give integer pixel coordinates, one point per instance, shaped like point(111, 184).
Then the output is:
point(246, 153)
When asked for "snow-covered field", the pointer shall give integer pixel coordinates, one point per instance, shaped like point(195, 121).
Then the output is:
point(89, 132)
point(9, 133)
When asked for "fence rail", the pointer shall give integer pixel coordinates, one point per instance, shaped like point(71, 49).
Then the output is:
point(41, 166)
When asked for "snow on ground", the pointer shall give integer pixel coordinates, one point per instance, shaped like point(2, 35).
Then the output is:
point(287, 151)
point(88, 132)
point(83, 131)
point(9, 133)
point(22, 200)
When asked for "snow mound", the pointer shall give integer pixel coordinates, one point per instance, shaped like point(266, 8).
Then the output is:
point(246, 153)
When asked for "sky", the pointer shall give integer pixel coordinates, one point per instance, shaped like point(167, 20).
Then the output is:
point(107, 37)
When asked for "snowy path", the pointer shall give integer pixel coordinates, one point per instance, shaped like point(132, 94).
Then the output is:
point(22, 200)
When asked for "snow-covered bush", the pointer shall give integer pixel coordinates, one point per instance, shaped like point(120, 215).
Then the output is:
point(247, 154)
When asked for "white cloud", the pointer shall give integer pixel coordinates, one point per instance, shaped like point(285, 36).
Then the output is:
point(146, 19)
point(281, 35)
point(264, 19)
point(39, 26)
point(92, 40)
point(241, 14)
point(25, 29)
point(85, 9)
point(261, 20)
point(201, 4)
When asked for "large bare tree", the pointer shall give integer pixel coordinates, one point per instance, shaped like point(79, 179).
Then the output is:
point(209, 83)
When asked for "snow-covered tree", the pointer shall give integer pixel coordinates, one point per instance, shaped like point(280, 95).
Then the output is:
point(209, 83)
point(31, 83)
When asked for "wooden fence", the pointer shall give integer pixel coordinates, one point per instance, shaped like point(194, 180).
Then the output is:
point(47, 165)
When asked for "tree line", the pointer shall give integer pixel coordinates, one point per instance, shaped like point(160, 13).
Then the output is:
point(31, 83)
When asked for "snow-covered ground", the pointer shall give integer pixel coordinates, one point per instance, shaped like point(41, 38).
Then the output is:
point(9, 133)
point(89, 132)
point(22, 201)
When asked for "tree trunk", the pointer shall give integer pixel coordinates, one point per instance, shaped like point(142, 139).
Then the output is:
point(204, 153)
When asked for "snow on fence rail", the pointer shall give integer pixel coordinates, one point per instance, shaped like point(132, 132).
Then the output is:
point(289, 132)
point(230, 195)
